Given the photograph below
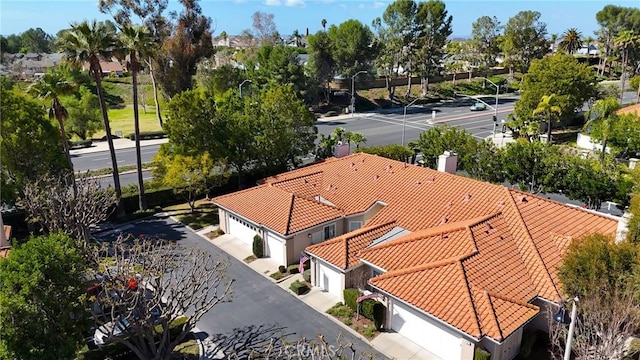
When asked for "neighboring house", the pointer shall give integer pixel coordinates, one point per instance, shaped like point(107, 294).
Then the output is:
point(459, 263)
point(109, 68)
point(28, 66)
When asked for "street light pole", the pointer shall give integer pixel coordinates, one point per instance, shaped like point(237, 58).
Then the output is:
point(240, 86)
point(562, 318)
point(353, 91)
point(404, 118)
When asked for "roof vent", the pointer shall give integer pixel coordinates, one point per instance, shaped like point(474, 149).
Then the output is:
point(431, 180)
point(500, 204)
point(353, 164)
point(418, 182)
point(329, 187)
point(388, 168)
point(443, 236)
point(306, 181)
point(466, 198)
point(354, 169)
point(376, 176)
point(448, 205)
point(524, 199)
point(444, 220)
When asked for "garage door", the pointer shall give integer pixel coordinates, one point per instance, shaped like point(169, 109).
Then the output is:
point(330, 280)
point(241, 229)
point(276, 249)
point(410, 324)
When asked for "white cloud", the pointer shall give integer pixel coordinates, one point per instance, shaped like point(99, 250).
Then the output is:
point(378, 5)
point(273, 2)
point(295, 3)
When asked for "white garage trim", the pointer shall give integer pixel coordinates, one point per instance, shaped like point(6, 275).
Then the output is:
point(329, 279)
point(432, 336)
point(241, 228)
point(276, 248)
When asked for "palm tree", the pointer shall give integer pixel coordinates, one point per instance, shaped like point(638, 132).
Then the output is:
point(603, 114)
point(588, 41)
point(625, 40)
point(89, 42)
point(50, 87)
point(135, 39)
point(324, 24)
point(571, 41)
point(548, 109)
point(554, 38)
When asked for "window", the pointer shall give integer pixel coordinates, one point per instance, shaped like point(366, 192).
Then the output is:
point(354, 225)
point(376, 273)
point(329, 231)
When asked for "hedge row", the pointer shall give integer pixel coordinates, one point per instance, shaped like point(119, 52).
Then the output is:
point(298, 287)
point(146, 135)
point(80, 144)
point(374, 311)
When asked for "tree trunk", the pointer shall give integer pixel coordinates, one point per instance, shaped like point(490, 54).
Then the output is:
point(97, 72)
point(604, 65)
point(548, 130)
point(155, 93)
point(408, 93)
point(453, 79)
point(470, 75)
point(625, 55)
point(604, 148)
point(142, 201)
point(425, 86)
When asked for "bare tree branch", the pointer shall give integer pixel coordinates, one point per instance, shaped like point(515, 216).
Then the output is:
point(157, 291)
point(52, 202)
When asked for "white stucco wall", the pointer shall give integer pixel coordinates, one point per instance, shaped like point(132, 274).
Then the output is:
point(275, 247)
point(329, 279)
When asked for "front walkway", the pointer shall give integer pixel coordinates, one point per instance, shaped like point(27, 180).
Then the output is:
point(393, 345)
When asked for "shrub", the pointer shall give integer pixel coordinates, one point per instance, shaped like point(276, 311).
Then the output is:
point(293, 269)
point(298, 287)
point(282, 269)
point(350, 298)
point(277, 276)
point(347, 321)
point(340, 310)
point(258, 250)
point(146, 135)
point(369, 332)
point(481, 354)
point(80, 144)
point(331, 113)
point(374, 311)
point(307, 275)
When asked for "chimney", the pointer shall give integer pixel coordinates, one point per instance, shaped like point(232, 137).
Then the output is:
point(448, 162)
point(623, 227)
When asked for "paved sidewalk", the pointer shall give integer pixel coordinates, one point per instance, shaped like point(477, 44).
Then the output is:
point(122, 143)
point(393, 345)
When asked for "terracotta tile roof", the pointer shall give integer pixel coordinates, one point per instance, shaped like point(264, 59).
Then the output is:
point(632, 109)
point(343, 250)
point(477, 252)
point(277, 209)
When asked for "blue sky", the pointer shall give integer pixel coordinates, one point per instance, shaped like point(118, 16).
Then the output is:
point(233, 16)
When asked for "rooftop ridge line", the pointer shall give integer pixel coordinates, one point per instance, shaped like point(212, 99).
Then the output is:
point(422, 267)
point(577, 208)
point(297, 177)
point(293, 199)
point(529, 240)
point(494, 316)
point(350, 235)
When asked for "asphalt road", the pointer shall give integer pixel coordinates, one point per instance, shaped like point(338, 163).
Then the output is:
point(260, 310)
point(101, 159)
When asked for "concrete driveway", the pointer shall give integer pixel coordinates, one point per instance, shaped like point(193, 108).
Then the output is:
point(260, 310)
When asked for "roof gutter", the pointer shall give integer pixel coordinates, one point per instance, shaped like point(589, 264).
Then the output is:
point(373, 266)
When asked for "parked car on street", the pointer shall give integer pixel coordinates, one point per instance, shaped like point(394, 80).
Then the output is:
point(478, 106)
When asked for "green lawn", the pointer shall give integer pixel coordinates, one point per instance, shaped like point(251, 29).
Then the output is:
point(122, 120)
point(205, 214)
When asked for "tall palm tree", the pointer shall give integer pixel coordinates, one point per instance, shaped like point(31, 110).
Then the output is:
point(571, 41)
point(324, 24)
point(603, 113)
point(549, 111)
point(135, 40)
point(89, 42)
point(50, 87)
point(588, 40)
point(625, 41)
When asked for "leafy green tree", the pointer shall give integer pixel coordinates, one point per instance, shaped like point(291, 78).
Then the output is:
point(285, 128)
point(29, 143)
point(135, 40)
point(190, 175)
point(549, 111)
point(50, 87)
point(524, 39)
point(90, 42)
point(190, 41)
point(84, 113)
point(14, 44)
point(393, 151)
point(278, 65)
point(433, 25)
point(625, 41)
point(321, 64)
point(612, 20)
point(624, 137)
point(219, 80)
point(436, 140)
point(586, 180)
point(486, 39)
point(40, 309)
point(396, 36)
point(602, 118)
point(571, 41)
point(352, 47)
point(533, 166)
point(36, 40)
point(561, 74)
point(486, 163)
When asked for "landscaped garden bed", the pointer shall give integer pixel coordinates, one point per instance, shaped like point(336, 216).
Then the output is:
point(284, 272)
point(359, 323)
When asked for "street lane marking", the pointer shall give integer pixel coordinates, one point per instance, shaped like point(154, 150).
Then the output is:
point(398, 123)
point(100, 159)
